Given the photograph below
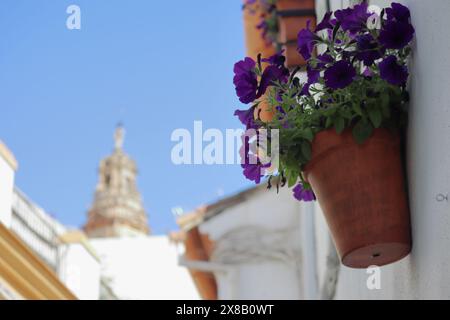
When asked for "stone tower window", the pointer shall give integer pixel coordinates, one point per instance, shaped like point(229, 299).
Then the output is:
point(107, 180)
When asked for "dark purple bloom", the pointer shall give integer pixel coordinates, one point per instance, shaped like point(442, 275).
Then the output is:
point(353, 19)
point(280, 110)
point(346, 55)
point(324, 59)
point(339, 75)
point(277, 59)
point(326, 23)
point(245, 80)
point(313, 74)
point(253, 168)
point(392, 72)
point(302, 194)
point(252, 172)
point(367, 72)
point(398, 12)
point(272, 74)
point(396, 35)
point(367, 49)
point(247, 117)
point(305, 89)
point(330, 35)
point(264, 27)
point(305, 41)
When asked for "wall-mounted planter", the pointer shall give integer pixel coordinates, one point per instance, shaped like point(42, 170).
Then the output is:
point(254, 42)
point(293, 16)
point(361, 190)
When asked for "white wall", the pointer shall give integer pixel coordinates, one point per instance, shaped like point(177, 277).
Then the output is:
point(144, 268)
point(424, 273)
point(259, 241)
point(267, 280)
point(79, 270)
point(6, 190)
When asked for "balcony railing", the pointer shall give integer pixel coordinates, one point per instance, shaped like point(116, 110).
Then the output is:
point(36, 228)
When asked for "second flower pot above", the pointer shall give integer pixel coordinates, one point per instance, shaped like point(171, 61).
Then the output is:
point(293, 16)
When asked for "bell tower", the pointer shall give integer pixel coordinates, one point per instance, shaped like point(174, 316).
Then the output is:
point(117, 210)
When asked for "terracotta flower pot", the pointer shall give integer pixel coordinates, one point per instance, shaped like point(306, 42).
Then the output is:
point(254, 41)
point(293, 16)
point(361, 191)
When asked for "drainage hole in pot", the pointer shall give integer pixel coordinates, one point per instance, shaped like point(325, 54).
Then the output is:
point(376, 255)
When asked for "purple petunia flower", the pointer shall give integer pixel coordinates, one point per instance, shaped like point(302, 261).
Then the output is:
point(330, 36)
point(253, 170)
point(398, 12)
point(264, 27)
point(277, 59)
point(367, 72)
point(339, 75)
point(392, 72)
point(305, 89)
point(245, 80)
point(313, 74)
point(305, 41)
point(347, 55)
point(247, 117)
point(396, 34)
point(326, 23)
point(324, 59)
point(270, 75)
point(367, 49)
point(302, 194)
point(276, 71)
point(353, 19)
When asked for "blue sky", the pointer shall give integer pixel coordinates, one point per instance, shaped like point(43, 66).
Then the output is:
point(155, 65)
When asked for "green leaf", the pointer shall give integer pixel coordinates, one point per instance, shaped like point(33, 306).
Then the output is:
point(335, 30)
point(357, 108)
point(330, 112)
point(375, 116)
point(308, 134)
point(362, 130)
point(385, 105)
point(306, 150)
point(299, 156)
point(292, 179)
point(328, 122)
point(339, 125)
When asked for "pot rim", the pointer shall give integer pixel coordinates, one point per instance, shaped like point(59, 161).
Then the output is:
point(344, 142)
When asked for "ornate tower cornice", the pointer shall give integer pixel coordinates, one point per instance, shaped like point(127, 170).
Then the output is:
point(117, 210)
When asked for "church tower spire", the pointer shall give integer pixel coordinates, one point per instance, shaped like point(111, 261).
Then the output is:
point(117, 210)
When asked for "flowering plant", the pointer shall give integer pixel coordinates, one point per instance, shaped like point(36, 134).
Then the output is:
point(268, 23)
point(357, 82)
